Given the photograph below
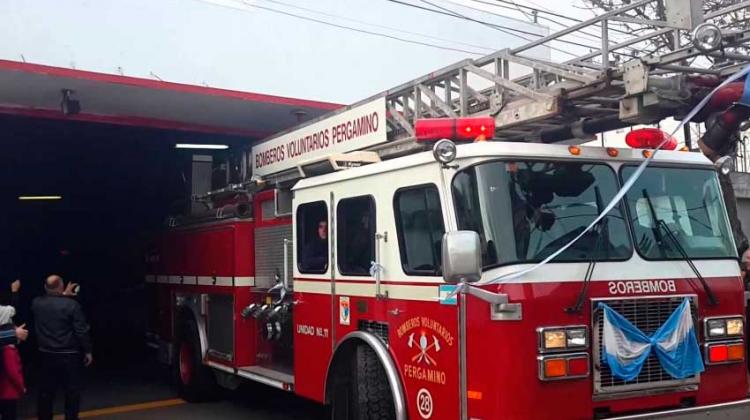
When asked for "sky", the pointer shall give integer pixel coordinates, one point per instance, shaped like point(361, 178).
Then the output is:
point(272, 46)
point(259, 45)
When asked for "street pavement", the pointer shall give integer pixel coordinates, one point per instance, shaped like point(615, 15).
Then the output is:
point(140, 390)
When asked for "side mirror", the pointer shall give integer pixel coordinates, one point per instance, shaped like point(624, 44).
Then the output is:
point(462, 258)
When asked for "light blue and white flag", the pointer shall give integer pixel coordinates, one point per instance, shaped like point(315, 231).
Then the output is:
point(626, 348)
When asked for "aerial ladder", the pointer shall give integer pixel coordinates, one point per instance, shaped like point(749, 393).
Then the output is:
point(617, 84)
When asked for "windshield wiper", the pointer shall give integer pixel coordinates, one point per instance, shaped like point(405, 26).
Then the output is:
point(661, 224)
point(576, 308)
point(598, 230)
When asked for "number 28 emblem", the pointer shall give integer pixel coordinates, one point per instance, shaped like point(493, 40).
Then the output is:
point(424, 403)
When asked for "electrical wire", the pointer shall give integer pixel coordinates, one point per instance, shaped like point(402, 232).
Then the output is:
point(504, 29)
point(467, 17)
point(433, 37)
point(349, 28)
point(592, 36)
point(546, 10)
point(504, 4)
point(522, 11)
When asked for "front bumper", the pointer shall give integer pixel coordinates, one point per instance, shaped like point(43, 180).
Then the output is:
point(728, 411)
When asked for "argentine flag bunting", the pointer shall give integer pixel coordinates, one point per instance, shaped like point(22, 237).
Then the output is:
point(745, 99)
point(626, 348)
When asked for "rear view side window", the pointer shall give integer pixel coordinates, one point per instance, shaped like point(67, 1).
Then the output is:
point(355, 235)
point(419, 221)
point(312, 238)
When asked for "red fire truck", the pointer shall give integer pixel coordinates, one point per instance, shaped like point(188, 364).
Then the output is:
point(370, 263)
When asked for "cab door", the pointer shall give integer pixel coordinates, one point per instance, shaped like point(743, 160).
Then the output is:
point(312, 312)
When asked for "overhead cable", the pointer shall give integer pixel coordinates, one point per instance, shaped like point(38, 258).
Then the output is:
point(504, 29)
point(349, 28)
point(593, 36)
point(434, 37)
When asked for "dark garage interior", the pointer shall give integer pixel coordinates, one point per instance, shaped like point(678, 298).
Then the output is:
point(105, 144)
point(118, 184)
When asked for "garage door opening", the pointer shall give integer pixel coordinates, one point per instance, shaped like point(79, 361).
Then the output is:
point(99, 192)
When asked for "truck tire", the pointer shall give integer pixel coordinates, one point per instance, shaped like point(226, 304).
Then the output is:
point(373, 399)
point(195, 381)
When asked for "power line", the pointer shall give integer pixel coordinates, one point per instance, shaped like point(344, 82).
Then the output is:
point(538, 5)
point(500, 28)
point(335, 25)
point(437, 38)
point(592, 36)
point(456, 15)
point(522, 11)
point(595, 37)
point(547, 11)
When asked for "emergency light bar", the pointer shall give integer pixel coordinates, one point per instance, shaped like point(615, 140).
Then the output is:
point(650, 138)
point(458, 129)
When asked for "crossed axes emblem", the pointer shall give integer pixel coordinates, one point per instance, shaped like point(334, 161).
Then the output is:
point(424, 348)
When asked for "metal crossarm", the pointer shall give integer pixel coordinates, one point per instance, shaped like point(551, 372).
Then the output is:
point(637, 76)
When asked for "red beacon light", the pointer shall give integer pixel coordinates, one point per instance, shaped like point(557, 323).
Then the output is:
point(650, 138)
point(457, 129)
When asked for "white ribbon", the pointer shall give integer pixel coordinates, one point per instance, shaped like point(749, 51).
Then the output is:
point(375, 268)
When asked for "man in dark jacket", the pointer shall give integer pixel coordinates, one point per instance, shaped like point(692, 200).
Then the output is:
point(64, 347)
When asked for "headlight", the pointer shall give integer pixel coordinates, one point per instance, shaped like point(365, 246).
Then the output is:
point(577, 338)
point(724, 327)
point(716, 328)
point(563, 338)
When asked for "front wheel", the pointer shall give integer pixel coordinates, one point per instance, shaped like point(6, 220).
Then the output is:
point(362, 392)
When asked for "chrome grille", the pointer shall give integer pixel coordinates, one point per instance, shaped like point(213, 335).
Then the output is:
point(648, 314)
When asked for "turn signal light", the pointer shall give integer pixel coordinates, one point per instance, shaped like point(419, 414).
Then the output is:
point(458, 129)
point(563, 366)
point(650, 138)
point(720, 353)
point(555, 368)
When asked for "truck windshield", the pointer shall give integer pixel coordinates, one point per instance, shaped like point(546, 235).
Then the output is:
point(524, 211)
point(689, 203)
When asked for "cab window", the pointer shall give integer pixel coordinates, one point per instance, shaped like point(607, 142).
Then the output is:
point(312, 238)
point(355, 235)
point(420, 229)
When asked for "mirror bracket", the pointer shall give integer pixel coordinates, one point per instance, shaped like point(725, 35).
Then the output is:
point(506, 312)
point(500, 308)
